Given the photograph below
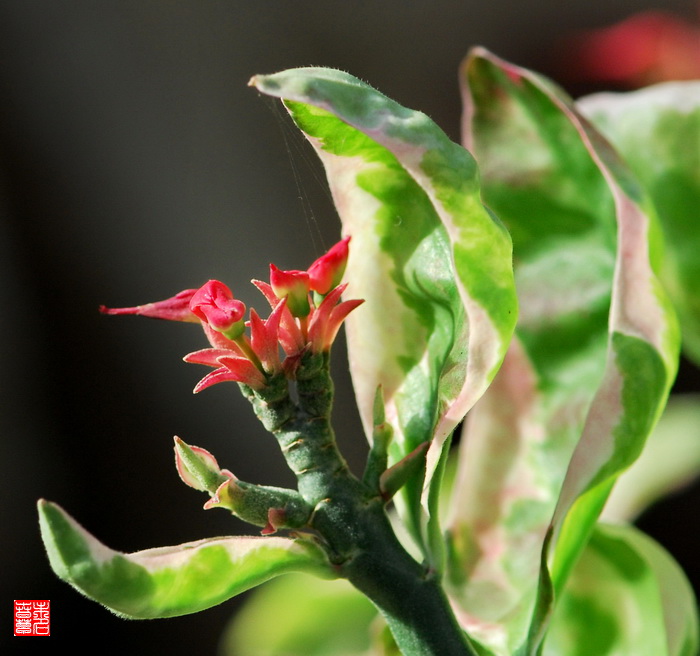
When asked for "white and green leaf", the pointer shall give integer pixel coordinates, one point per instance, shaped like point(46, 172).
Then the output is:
point(657, 130)
point(669, 462)
point(626, 596)
point(432, 263)
point(596, 350)
point(169, 581)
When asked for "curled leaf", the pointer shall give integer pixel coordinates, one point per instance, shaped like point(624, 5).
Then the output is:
point(657, 130)
point(587, 377)
point(431, 262)
point(169, 581)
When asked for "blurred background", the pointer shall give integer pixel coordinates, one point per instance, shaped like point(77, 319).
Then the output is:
point(135, 162)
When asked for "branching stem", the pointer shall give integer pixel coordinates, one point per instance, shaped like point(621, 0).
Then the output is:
point(350, 516)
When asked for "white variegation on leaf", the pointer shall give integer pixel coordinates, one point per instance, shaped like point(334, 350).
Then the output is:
point(170, 581)
point(432, 264)
point(657, 130)
point(598, 343)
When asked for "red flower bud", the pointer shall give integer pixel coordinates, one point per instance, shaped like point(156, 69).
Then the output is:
point(327, 271)
point(294, 286)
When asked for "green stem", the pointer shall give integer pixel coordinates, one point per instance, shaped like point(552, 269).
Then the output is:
point(409, 597)
point(411, 600)
point(349, 517)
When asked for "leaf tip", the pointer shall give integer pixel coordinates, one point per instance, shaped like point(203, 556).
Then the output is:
point(263, 83)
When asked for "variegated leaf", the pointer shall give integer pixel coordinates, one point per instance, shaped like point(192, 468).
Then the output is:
point(597, 346)
point(169, 581)
point(669, 462)
point(626, 597)
point(657, 130)
point(432, 263)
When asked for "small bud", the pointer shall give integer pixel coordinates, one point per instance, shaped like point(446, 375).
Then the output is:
point(394, 478)
point(294, 286)
point(198, 468)
point(276, 518)
point(382, 434)
point(271, 508)
point(213, 304)
point(327, 271)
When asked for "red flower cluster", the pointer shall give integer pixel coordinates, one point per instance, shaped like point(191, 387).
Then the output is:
point(306, 315)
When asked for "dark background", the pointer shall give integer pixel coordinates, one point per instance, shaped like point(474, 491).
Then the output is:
point(135, 162)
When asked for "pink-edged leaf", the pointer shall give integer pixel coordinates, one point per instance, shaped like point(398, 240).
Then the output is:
point(597, 345)
point(170, 581)
point(655, 129)
point(432, 263)
point(198, 468)
point(669, 463)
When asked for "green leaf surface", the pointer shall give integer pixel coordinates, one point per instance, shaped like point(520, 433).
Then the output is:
point(626, 597)
point(302, 616)
point(169, 581)
point(657, 130)
point(433, 265)
point(596, 350)
point(670, 461)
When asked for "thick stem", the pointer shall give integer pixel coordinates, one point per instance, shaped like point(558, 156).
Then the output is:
point(350, 518)
point(410, 598)
point(303, 429)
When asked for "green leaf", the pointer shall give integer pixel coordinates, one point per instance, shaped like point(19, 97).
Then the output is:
point(626, 597)
point(596, 350)
point(433, 265)
point(169, 581)
point(395, 477)
point(670, 461)
point(302, 616)
point(657, 130)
